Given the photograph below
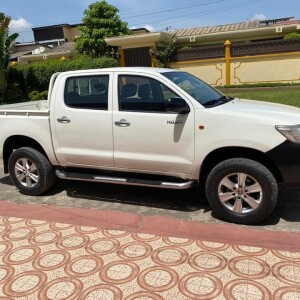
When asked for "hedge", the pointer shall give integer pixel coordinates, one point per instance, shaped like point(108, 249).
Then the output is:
point(258, 85)
point(24, 79)
point(35, 95)
point(292, 36)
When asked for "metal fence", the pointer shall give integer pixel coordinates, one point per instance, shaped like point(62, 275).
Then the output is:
point(198, 53)
point(265, 47)
point(238, 49)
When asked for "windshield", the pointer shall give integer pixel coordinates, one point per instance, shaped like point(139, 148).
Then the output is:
point(199, 90)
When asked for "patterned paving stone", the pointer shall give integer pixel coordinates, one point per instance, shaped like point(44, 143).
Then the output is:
point(49, 260)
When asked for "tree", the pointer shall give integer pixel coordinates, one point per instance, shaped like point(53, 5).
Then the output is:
point(6, 43)
point(164, 53)
point(100, 21)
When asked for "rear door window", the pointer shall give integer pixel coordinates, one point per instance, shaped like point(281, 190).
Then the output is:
point(87, 92)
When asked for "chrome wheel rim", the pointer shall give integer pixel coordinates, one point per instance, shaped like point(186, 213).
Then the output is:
point(26, 173)
point(240, 193)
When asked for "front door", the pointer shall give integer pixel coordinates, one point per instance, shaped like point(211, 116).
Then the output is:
point(146, 137)
point(83, 131)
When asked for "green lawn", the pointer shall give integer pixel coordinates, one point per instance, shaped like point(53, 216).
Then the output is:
point(289, 97)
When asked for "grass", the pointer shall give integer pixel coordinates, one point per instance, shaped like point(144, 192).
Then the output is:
point(288, 97)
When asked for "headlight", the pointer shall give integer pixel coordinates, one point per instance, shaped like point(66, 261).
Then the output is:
point(291, 132)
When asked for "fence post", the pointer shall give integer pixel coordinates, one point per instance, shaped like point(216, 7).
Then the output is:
point(227, 45)
point(152, 52)
point(121, 57)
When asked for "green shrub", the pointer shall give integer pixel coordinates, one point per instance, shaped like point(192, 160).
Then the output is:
point(258, 85)
point(36, 77)
point(292, 36)
point(35, 95)
point(14, 93)
point(16, 87)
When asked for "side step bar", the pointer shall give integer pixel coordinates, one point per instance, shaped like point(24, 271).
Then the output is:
point(126, 181)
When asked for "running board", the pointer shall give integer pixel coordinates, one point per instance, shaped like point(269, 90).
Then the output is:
point(126, 181)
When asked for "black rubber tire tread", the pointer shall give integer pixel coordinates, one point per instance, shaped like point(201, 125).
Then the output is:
point(260, 173)
point(47, 176)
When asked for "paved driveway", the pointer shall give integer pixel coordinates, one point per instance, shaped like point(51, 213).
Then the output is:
point(183, 205)
point(122, 246)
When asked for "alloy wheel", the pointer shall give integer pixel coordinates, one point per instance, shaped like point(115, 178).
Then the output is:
point(240, 193)
point(26, 172)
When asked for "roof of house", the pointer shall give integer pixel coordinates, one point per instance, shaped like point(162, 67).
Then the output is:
point(18, 47)
point(65, 47)
point(19, 53)
point(57, 25)
point(234, 27)
point(139, 30)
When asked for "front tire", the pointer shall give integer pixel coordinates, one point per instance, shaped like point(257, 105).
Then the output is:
point(241, 191)
point(30, 171)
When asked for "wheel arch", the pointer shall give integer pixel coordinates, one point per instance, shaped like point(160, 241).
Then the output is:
point(18, 141)
point(221, 154)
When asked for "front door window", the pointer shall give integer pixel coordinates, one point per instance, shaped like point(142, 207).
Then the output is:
point(143, 94)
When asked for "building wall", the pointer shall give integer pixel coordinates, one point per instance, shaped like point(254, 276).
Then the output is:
point(284, 67)
point(211, 71)
point(266, 68)
point(70, 33)
point(46, 34)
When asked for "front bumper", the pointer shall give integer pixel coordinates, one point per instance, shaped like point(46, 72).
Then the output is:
point(287, 158)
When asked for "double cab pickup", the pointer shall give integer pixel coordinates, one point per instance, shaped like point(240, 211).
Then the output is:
point(154, 127)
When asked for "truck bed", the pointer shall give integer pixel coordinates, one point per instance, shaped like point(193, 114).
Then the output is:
point(39, 107)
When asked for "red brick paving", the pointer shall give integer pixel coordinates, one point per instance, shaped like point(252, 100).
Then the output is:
point(159, 225)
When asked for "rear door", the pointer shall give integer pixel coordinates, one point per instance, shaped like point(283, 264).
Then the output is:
point(82, 121)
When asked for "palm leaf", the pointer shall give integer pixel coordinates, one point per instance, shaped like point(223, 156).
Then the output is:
point(6, 43)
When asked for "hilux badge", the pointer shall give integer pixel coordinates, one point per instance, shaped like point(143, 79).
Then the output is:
point(173, 122)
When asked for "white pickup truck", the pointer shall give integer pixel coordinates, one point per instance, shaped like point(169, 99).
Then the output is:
point(154, 127)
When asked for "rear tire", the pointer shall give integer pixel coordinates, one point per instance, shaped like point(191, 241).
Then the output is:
point(30, 171)
point(241, 191)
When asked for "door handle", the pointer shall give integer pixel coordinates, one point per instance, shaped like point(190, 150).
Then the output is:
point(64, 120)
point(122, 123)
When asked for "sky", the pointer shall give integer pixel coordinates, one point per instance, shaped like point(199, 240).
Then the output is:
point(155, 15)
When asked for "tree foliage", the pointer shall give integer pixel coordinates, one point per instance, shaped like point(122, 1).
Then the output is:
point(6, 43)
point(100, 21)
point(25, 79)
point(164, 53)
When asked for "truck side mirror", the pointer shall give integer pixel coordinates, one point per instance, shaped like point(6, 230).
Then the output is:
point(177, 105)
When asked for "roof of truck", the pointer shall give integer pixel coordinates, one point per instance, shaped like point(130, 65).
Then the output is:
point(148, 70)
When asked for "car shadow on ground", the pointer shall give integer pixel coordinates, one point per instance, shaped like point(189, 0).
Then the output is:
point(6, 181)
point(287, 208)
point(190, 201)
point(181, 200)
